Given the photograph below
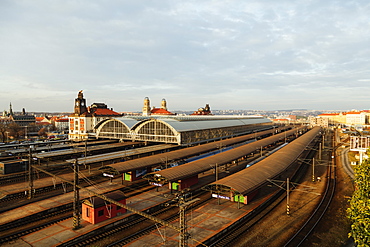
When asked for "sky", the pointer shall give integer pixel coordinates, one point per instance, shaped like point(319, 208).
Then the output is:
point(255, 54)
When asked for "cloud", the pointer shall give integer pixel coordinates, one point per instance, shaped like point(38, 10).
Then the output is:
point(228, 54)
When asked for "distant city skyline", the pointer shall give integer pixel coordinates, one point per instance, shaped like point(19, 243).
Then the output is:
point(299, 112)
point(262, 55)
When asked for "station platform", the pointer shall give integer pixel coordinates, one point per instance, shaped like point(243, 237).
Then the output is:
point(205, 221)
point(36, 207)
point(42, 182)
point(63, 231)
point(202, 223)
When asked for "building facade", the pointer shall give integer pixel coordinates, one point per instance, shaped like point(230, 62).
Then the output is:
point(84, 119)
point(153, 111)
point(344, 118)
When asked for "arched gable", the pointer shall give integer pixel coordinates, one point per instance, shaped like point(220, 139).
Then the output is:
point(155, 130)
point(113, 128)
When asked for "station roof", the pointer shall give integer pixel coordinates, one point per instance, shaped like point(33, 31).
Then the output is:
point(81, 150)
point(97, 202)
point(249, 179)
point(144, 162)
point(189, 123)
point(121, 154)
point(183, 126)
point(202, 165)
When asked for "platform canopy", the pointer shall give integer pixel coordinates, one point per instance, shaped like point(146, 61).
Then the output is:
point(196, 167)
point(249, 179)
point(149, 161)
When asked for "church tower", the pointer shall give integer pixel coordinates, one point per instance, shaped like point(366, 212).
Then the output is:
point(80, 104)
point(11, 110)
point(146, 107)
point(164, 104)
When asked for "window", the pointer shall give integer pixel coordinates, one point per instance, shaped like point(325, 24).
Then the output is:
point(100, 213)
point(87, 212)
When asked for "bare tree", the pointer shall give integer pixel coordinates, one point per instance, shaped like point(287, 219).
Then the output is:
point(16, 130)
point(42, 132)
point(3, 130)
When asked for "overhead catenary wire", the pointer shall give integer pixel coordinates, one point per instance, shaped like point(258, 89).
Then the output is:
point(148, 216)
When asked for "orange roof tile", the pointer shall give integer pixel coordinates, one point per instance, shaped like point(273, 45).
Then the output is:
point(105, 112)
point(353, 112)
point(160, 111)
point(280, 119)
point(329, 114)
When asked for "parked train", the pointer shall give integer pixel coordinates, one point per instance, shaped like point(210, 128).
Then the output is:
point(181, 162)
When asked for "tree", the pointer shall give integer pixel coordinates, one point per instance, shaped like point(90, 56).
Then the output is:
point(52, 127)
point(359, 210)
point(3, 129)
point(42, 132)
point(15, 130)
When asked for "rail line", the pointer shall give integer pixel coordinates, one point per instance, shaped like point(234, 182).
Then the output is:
point(38, 225)
point(42, 193)
point(232, 234)
point(18, 228)
point(134, 221)
point(22, 176)
point(303, 233)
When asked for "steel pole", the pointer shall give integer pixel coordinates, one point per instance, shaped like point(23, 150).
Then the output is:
point(76, 201)
point(313, 169)
point(287, 196)
point(30, 177)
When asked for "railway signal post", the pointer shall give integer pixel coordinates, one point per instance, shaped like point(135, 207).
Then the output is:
point(287, 196)
point(30, 177)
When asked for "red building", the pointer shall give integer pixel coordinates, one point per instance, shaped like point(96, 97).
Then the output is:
point(95, 209)
point(203, 111)
point(149, 111)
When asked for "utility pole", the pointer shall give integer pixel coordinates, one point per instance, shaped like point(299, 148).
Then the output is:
point(30, 177)
point(86, 156)
point(313, 169)
point(323, 140)
point(287, 196)
point(285, 136)
point(216, 167)
point(181, 202)
point(76, 201)
point(287, 188)
point(165, 161)
point(184, 235)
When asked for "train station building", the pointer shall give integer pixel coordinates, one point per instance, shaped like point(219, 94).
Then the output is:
point(157, 125)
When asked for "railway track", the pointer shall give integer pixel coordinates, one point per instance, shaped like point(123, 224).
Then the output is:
point(37, 227)
point(46, 191)
point(132, 227)
point(301, 235)
point(23, 176)
point(232, 234)
point(12, 201)
point(18, 228)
